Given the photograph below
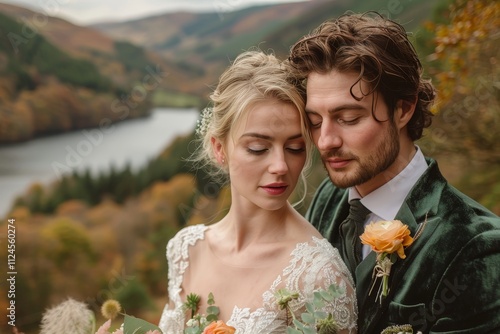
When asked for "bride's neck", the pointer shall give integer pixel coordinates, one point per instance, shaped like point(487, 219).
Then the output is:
point(243, 228)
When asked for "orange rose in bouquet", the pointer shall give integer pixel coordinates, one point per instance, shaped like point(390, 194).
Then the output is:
point(219, 327)
point(386, 238)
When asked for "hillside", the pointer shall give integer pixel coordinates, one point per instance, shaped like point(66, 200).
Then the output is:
point(121, 61)
point(56, 77)
point(115, 226)
point(204, 43)
point(185, 51)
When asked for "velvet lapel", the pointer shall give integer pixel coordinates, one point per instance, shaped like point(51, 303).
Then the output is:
point(332, 218)
point(420, 205)
point(370, 308)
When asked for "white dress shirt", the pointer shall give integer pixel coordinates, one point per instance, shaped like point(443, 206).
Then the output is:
point(385, 201)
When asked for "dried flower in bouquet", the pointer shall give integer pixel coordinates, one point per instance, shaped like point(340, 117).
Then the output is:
point(69, 316)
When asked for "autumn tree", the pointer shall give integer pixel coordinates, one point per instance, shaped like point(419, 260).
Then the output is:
point(464, 65)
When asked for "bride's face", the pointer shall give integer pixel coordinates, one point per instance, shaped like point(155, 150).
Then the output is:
point(266, 152)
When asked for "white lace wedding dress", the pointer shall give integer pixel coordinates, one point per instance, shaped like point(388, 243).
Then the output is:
point(313, 265)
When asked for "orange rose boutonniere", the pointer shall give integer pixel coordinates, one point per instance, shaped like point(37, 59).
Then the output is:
point(389, 240)
point(219, 327)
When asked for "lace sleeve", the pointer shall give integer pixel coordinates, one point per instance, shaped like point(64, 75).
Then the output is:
point(173, 318)
point(344, 308)
point(316, 266)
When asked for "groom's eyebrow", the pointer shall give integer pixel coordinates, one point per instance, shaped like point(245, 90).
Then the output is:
point(348, 106)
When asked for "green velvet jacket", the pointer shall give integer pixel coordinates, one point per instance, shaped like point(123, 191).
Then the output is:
point(450, 279)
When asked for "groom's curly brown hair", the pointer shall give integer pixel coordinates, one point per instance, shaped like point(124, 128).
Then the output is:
point(379, 50)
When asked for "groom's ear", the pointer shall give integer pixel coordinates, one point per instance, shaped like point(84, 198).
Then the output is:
point(404, 112)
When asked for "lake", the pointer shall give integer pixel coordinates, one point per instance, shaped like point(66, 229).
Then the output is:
point(44, 160)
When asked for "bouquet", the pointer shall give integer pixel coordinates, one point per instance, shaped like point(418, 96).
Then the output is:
point(204, 324)
point(75, 317)
point(198, 324)
point(313, 320)
point(111, 308)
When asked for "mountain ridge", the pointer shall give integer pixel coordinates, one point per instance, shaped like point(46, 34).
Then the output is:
point(190, 50)
point(206, 43)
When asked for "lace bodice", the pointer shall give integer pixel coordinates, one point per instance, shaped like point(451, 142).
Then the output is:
point(313, 265)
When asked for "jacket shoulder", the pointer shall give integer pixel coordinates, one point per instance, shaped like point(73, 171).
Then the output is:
point(326, 206)
point(324, 198)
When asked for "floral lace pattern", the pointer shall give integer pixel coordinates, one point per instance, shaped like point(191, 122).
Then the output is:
point(313, 265)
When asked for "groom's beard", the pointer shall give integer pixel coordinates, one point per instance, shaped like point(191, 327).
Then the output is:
point(363, 169)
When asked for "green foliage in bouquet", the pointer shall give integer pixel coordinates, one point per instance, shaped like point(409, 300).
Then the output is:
point(198, 322)
point(133, 325)
point(314, 320)
point(399, 329)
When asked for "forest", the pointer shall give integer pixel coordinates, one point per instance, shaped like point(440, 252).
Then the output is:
point(47, 87)
point(97, 237)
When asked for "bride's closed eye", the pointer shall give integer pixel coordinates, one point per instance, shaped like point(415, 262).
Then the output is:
point(256, 150)
point(296, 149)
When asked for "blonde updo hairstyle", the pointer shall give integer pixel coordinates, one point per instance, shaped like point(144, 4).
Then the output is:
point(253, 77)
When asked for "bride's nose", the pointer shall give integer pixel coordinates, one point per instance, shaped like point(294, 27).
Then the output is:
point(278, 164)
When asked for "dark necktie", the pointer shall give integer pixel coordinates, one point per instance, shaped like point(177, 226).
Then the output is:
point(351, 229)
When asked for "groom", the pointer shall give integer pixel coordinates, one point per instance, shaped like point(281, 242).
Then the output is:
point(367, 103)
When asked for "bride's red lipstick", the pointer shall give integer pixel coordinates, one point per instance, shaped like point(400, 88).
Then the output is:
point(275, 188)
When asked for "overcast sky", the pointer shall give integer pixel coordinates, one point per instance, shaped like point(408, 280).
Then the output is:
point(92, 11)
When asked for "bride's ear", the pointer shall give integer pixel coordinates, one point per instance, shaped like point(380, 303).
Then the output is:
point(218, 148)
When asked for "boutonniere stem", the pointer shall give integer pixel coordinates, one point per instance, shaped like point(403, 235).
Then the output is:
point(389, 240)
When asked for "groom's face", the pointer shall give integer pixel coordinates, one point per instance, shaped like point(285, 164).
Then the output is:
point(356, 148)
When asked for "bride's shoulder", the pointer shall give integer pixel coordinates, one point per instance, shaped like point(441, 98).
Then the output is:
point(188, 236)
point(197, 230)
point(317, 249)
point(318, 244)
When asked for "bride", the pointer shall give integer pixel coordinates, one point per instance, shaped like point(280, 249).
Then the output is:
point(255, 135)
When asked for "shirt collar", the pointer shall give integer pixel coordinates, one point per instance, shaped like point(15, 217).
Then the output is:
point(386, 200)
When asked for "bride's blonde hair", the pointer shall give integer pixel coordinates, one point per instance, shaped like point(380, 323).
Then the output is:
point(254, 76)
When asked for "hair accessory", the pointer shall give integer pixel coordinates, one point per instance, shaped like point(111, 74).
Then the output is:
point(203, 123)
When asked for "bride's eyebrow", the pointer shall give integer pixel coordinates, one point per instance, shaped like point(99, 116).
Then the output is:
point(257, 135)
point(265, 137)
